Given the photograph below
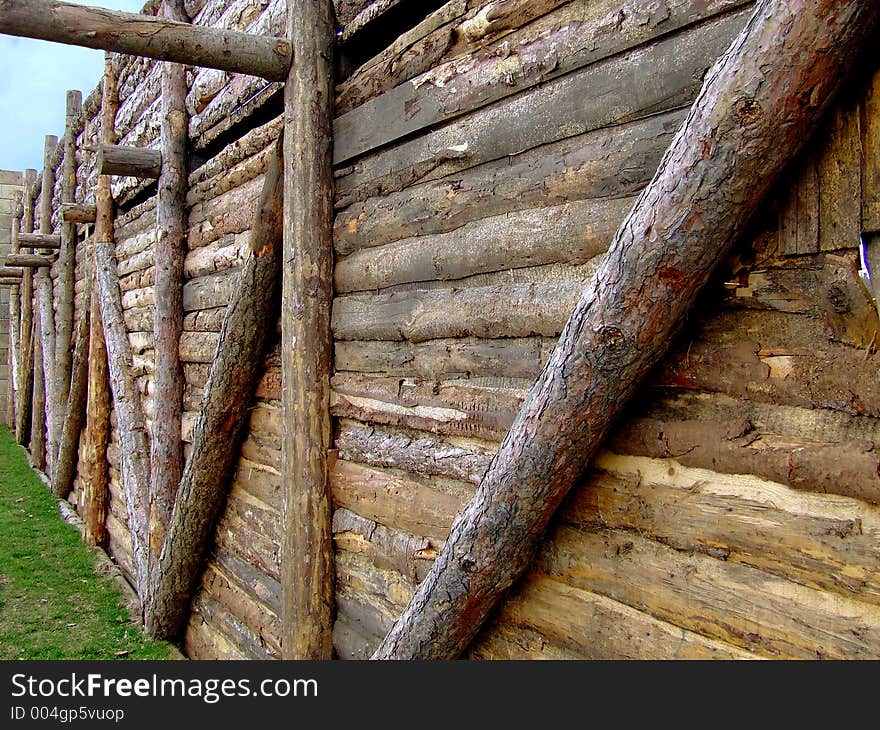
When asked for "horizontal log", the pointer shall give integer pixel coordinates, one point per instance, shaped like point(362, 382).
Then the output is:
point(387, 548)
point(144, 35)
point(531, 56)
point(238, 632)
point(442, 359)
point(419, 508)
point(613, 162)
point(78, 213)
point(414, 451)
point(202, 641)
point(822, 541)
point(129, 161)
point(670, 71)
point(571, 233)
point(518, 310)
point(39, 240)
point(8, 272)
point(727, 601)
point(448, 408)
point(9, 281)
point(32, 261)
point(599, 628)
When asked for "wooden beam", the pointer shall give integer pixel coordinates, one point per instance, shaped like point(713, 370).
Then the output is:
point(9, 280)
point(77, 213)
point(307, 552)
point(145, 35)
point(166, 458)
point(131, 426)
point(129, 161)
point(758, 105)
point(28, 260)
point(66, 269)
point(14, 322)
point(75, 407)
point(44, 328)
point(39, 240)
point(23, 407)
point(248, 322)
point(11, 273)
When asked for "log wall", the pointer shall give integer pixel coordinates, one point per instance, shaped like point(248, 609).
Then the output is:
point(484, 161)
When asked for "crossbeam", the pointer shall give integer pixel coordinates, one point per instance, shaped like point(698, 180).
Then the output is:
point(145, 35)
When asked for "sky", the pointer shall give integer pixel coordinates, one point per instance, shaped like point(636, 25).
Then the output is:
point(34, 79)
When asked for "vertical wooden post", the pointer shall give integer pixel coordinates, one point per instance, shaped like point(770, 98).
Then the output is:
point(166, 459)
point(24, 407)
point(14, 327)
point(97, 437)
point(307, 551)
point(65, 268)
point(43, 327)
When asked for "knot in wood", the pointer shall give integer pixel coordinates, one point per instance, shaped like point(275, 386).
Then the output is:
point(747, 111)
point(838, 297)
point(616, 348)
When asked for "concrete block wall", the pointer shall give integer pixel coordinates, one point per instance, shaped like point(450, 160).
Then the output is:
point(10, 194)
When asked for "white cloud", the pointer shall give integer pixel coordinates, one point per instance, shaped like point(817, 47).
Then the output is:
point(34, 79)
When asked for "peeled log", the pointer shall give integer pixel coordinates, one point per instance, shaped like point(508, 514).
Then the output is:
point(249, 320)
point(77, 213)
point(145, 35)
point(132, 161)
point(758, 105)
point(39, 240)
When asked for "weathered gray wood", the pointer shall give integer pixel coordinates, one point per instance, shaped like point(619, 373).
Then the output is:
point(77, 213)
point(529, 57)
point(27, 260)
point(516, 310)
point(307, 291)
point(610, 163)
point(39, 240)
point(571, 233)
point(145, 35)
point(247, 323)
point(15, 354)
point(737, 138)
point(10, 281)
point(588, 99)
point(23, 408)
point(129, 161)
point(66, 269)
point(42, 427)
point(166, 458)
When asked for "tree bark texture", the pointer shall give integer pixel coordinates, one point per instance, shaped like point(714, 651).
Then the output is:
point(307, 552)
point(66, 268)
point(27, 260)
point(75, 407)
point(144, 35)
point(248, 322)
point(78, 213)
point(44, 326)
point(96, 494)
point(24, 408)
point(14, 325)
point(758, 105)
point(39, 240)
point(10, 272)
point(129, 161)
point(166, 458)
point(131, 426)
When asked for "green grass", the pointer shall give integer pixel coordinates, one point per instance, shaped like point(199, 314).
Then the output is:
point(52, 603)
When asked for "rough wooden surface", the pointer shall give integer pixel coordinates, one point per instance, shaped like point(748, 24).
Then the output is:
point(568, 411)
point(166, 457)
point(129, 161)
point(143, 35)
point(24, 409)
point(65, 269)
point(306, 295)
point(229, 389)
